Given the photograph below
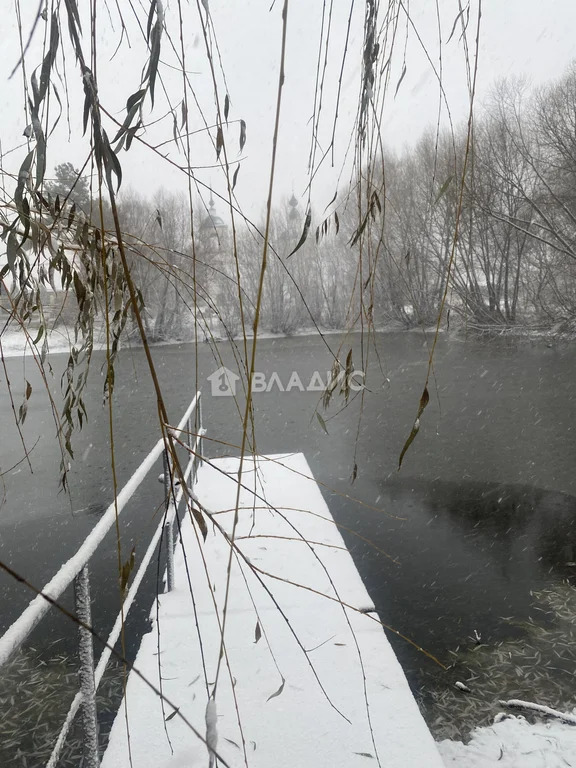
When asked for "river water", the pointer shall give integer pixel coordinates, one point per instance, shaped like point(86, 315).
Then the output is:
point(452, 548)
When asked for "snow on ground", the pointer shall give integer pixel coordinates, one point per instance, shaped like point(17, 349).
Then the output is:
point(15, 343)
point(514, 743)
point(287, 720)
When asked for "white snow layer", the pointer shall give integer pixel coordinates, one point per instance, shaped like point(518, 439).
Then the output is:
point(16, 344)
point(365, 715)
point(514, 743)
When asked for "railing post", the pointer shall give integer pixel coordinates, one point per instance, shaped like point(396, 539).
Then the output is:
point(190, 442)
point(86, 654)
point(170, 562)
point(199, 421)
point(169, 524)
point(189, 427)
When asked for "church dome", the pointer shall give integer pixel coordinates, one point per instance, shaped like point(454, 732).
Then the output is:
point(212, 221)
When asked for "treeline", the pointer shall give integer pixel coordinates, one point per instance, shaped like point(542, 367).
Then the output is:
point(514, 258)
point(386, 252)
point(209, 271)
point(515, 253)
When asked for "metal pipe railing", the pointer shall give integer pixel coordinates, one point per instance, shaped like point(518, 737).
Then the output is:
point(129, 599)
point(23, 626)
point(75, 570)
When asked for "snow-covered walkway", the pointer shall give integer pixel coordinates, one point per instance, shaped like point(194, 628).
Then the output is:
point(312, 684)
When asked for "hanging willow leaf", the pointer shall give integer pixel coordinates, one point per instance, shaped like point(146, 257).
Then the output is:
point(459, 16)
point(80, 290)
point(322, 422)
point(242, 134)
point(409, 441)
point(36, 129)
point(25, 218)
point(226, 107)
point(22, 412)
point(135, 100)
point(22, 179)
point(219, 141)
point(71, 215)
point(443, 189)
point(278, 692)
point(331, 201)
point(198, 516)
point(127, 569)
point(304, 235)
point(235, 177)
point(130, 133)
point(150, 19)
point(59, 100)
point(73, 14)
point(34, 84)
point(86, 111)
point(349, 364)
point(109, 382)
point(354, 474)
point(175, 129)
point(39, 335)
point(257, 632)
point(358, 234)
point(111, 161)
point(12, 252)
point(230, 741)
point(49, 60)
point(401, 78)
point(424, 400)
point(155, 37)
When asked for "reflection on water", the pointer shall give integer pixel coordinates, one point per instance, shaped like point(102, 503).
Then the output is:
point(520, 531)
point(35, 694)
point(539, 667)
point(471, 556)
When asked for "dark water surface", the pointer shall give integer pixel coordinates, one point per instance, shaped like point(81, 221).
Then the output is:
point(482, 513)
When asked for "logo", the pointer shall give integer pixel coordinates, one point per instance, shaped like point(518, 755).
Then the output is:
point(223, 382)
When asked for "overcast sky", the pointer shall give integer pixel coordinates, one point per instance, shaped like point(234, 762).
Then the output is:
point(518, 37)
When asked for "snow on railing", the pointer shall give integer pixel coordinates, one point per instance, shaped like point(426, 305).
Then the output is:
point(76, 570)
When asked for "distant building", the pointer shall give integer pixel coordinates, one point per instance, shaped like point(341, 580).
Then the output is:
point(213, 229)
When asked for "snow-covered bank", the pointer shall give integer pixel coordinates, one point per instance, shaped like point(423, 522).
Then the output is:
point(60, 340)
point(357, 710)
point(16, 344)
point(513, 742)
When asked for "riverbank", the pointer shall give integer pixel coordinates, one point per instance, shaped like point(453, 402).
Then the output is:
point(60, 340)
point(514, 742)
